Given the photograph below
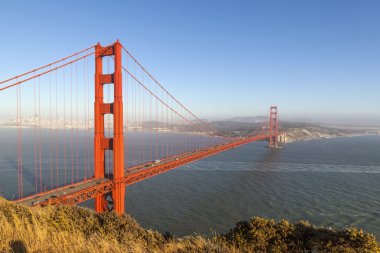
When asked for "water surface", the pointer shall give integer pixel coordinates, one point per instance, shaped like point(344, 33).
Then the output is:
point(330, 182)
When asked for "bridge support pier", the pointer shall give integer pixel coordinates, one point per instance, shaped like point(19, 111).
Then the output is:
point(116, 143)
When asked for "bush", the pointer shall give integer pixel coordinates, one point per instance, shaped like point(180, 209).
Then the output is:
point(76, 229)
point(263, 235)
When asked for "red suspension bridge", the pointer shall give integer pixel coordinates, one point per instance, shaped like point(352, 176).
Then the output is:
point(70, 150)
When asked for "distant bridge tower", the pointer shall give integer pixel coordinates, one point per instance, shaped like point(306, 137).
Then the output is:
point(101, 143)
point(273, 127)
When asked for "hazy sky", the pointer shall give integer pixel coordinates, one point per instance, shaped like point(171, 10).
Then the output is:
point(314, 59)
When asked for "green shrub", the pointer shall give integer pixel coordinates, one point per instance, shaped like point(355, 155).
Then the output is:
point(76, 229)
point(263, 235)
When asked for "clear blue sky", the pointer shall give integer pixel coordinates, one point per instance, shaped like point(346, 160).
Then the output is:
point(314, 59)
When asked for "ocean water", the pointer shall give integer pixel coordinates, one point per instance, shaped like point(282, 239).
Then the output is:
point(329, 182)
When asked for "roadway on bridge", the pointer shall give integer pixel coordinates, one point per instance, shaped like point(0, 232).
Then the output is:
point(82, 191)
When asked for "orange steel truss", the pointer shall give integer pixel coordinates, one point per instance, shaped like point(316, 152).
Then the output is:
point(141, 172)
point(81, 196)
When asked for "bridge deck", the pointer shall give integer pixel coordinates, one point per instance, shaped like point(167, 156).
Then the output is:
point(43, 197)
point(83, 191)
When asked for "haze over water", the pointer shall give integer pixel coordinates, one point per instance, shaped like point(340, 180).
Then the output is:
point(329, 182)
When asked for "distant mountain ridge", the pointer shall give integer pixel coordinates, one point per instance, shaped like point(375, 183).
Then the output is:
point(255, 119)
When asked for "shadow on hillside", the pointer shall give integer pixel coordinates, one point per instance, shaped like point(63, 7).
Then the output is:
point(18, 246)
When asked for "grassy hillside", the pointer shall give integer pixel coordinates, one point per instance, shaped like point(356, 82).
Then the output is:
point(75, 229)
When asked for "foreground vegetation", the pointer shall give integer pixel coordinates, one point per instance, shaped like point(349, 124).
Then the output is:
point(75, 229)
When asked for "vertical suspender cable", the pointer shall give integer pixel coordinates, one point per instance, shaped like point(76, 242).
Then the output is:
point(71, 125)
point(143, 123)
point(64, 126)
point(156, 126)
point(39, 137)
point(151, 125)
point(56, 129)
point(88, 115)
point(86, 119)
point(19, 141)
point(125, 123)
point(76, 169)
point(50, 135)
point(35, 135)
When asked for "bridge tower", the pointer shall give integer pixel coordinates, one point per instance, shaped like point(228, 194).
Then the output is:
point(116, 143)
point(273, 127)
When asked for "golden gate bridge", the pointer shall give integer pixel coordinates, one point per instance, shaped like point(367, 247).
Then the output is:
point(79, 128)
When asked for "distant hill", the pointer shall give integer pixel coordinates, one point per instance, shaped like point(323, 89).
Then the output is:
point(295, 130)
point(256, 119)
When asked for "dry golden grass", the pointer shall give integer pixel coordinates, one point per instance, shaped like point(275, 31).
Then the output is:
point(75, 229)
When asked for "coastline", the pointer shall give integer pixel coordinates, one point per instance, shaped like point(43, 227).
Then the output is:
point(329, 137)
point(301, 134)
